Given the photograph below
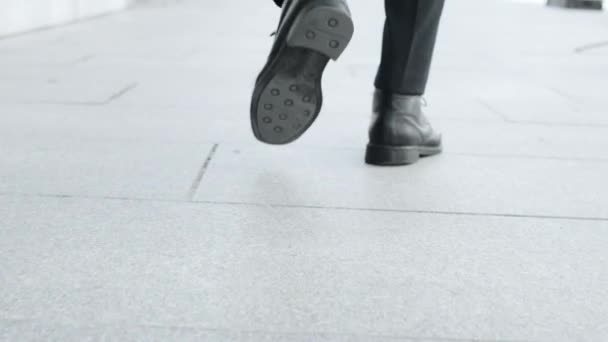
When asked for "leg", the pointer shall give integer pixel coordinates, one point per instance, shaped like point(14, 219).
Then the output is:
point(410, 32)
point(400, 133)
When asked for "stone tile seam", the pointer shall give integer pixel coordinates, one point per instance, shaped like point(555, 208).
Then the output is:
point(264, 332)
point(311, 207)
point(315, 147)
point(196, 183)
point(500, 118)
point(565, 95)
point(120, 93)
point(113, 97)
point(507, 120)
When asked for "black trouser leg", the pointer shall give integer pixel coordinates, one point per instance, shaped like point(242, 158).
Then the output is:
point(410, 33)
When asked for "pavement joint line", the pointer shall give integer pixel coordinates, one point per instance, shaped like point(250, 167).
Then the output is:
point(120, 93)
point(201, 173)
point(409, 211)
point(349, 148)
point(260, 331)
point(573, 100)
point(312, 207)
point(510, 121)
point(501, 117)
point(494, 111)
point(67, 103)
point(123, 91)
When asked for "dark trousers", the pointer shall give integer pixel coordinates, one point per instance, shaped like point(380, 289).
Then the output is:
point(410, 32)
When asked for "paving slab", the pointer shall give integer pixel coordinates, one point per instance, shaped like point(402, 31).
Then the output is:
point(297, 270)
point(100, 168)
point(501, 238)
point(37, 124)
point(446, 183)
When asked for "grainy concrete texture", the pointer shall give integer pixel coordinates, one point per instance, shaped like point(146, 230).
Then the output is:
point(135, 204)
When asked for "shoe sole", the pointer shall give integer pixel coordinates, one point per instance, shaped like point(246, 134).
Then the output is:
point(397, 155)
point(288, 97)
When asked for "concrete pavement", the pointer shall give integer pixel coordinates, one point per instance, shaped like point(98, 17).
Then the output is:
point(135, 203)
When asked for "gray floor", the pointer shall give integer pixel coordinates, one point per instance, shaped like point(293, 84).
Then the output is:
point(135, 203)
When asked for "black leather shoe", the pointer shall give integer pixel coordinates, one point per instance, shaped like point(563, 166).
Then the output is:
point(400, 133)
point(287, 97)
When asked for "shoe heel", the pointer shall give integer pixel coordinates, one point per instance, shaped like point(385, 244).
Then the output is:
point(322, 27)
point(390, 155)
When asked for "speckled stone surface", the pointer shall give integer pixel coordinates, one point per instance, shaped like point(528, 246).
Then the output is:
point(135, 204)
